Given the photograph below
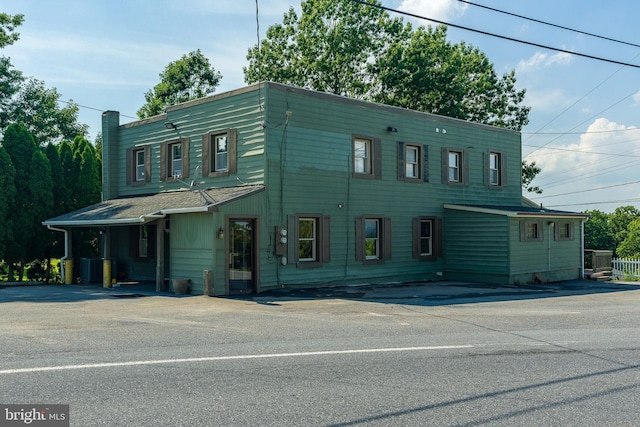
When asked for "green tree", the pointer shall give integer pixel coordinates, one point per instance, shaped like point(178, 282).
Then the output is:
point(630, 246)
point(597, 233)
point(38, 108)
point(423, 71)
point(89, 179)
point(8, 26)
point(7, 194)
point(619, 222)
point(33, 198)
point(328, 48)
point(190, 77)
point(348, 48)
point(529, 172)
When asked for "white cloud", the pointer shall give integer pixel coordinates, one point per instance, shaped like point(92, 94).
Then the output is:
point(636, 99)
point(543, 60)
point(602, 148)
point(546, 99)
point(436, 9)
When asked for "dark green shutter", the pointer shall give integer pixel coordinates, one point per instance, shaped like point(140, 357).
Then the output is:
point(401, 161)
point(425, 163)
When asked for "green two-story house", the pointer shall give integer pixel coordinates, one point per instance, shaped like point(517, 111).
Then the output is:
point(274, 186)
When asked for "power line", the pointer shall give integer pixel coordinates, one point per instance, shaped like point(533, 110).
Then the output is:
point(588, 190)
point(550, 24)
point(585, 121)
point(594, 203)
point(577, 133)
point(486, 33)
point(93, 108)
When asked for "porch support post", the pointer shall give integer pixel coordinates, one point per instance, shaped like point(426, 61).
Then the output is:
point(160, 256)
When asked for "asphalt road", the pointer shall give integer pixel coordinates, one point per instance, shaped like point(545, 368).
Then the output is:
point(447, 354)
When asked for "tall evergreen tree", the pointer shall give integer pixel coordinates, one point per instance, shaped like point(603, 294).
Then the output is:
point(29, 208)
point(7, 194)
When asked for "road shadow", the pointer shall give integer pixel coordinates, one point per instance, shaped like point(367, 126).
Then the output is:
point(40, 293)
point(441, 293)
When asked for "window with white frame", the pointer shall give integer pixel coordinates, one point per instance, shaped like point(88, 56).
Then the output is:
point(531, 231)
point(455, 162)
point(362, 156)
point(307, 239)
point(220, 153)
point(139, 165)
point(176, 160)
point(372, 238)
point(495, 173)
point(143, 241)
point(426, 237)
point(219, 150)
point(564, 230)
point(412, 162)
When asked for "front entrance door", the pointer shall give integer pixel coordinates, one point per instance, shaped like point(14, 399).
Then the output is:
point(242, 255)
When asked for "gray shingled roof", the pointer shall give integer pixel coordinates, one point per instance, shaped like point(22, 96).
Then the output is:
point(141, 209)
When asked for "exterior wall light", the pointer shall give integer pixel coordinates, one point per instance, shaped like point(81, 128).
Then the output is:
point(170, 125)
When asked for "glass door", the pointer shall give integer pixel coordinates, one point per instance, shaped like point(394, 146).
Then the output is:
point(241, 256)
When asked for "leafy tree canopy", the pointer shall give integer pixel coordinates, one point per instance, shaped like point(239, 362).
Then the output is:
point(8, 25)
point(529, 172)
point(347, 48)
point(190, 77)
point(630, 246)
point(597, 233)
point(38, 108)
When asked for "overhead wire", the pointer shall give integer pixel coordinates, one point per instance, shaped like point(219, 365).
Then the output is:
point(623, 64)
point(486, 33)
point(549, 23)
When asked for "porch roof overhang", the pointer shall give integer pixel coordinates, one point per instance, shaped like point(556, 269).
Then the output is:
point(518, 211)
point(146, 208)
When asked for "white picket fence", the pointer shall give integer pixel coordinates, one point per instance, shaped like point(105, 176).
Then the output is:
point(625, 267)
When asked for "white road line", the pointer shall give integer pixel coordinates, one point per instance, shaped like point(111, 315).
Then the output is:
point(221, 358)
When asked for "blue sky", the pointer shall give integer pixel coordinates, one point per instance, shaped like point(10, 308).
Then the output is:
point(585, 113)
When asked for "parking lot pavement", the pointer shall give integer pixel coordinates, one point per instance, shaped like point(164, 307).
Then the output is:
point(414, 293)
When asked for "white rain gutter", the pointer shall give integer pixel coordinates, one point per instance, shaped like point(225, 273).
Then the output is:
point(67, 248)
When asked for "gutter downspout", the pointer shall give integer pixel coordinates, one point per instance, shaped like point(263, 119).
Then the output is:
point(67, 250)
point(582, 249)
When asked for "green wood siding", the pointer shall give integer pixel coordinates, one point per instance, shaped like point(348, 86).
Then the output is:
point(476, 243)
point(299, 144)
point(192, 239)
point(310, 171)
point(241, 112)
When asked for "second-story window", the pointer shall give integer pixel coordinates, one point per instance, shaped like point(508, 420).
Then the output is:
point(174, 160)
point(140, 165)
point(413, 162)
point(455, 168)
point(362, 156)
point(219, 152)
point(221, 158)
point(367, 162)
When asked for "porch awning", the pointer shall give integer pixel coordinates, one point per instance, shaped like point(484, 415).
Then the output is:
point(146, 208)
point(517, 211)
